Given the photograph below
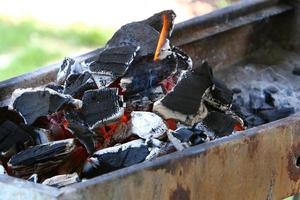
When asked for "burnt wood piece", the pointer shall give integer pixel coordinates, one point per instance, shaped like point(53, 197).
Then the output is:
point(77, 84)
point(113, 158)
point(41, 159)
point(12, 135)
point(146, 73)
point(220, 123)
point(115, 60)
point(35, 103)
point(101, 106)
point(144, 34)
point(68, 67)
point(276, 113)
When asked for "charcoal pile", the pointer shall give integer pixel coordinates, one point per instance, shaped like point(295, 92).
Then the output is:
point(139, 99)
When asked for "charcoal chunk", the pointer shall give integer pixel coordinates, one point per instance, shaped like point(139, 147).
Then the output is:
point(146, 73)
point(115, 60)
point(254, 120)
point(10, 115)
point(116, 157)
point(55, 87)
point(256, 99)
point(35, 103)
point(221, 92)
point(12, 135)
point(101, 106)
point(276, 113)
point(220, 123)
point(77, 84)
point(183, 134)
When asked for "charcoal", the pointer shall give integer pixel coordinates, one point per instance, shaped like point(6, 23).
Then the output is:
point(276, 113)
point(115, 60)
point(236, 90)
point(184, 61)
point(178, 144)
point(103, 79)
point(221, 92)
point(256, 99)
point(269, 99)
point(12, 135)
point(42, 136)
point(55, 87)
point(196, 139)
point(201, 130)
point(10, 115)
point(77, 84)
point(60, 181)
point(296, 71)
point(113, 158)
point(220, 123)
point(183, 134)
point(101, 106)
point(68, 67)
point(146, 73)
point(84, 135)
point(35, 103)
point(184, 102)
point(253, 120)
point(147, 125)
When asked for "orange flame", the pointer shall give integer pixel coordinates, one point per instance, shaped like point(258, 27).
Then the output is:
point(162, 36)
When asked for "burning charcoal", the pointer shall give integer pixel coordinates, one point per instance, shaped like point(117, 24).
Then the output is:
point(144, 34)
point(41, 159)
point(55, 87)
point(33, 178)
point(101, 106)
point(236, 90)
point(296, 71)
point(147, 73)
point(113, 158)
point(184, 102)
point(68, 67)
point(84, 135)
point(13, 136)
point(276, 113)
point(35, 103)
point(60, 181)
point(220, 123)
point(77, 84)
point(115, 60)
point(178, 144)
point(147, 125)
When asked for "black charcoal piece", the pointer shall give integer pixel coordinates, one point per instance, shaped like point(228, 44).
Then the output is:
point(77, 84)
point(256, 99)
point(296, 71)
point(35, 103)
point(220, 123)
point(11, 115)
point(12, 135)
point(101, 106)
point(146, 73)
point(68, 67)
point(184, 102)
point(236, 90)
point(254, 120)
point(184, 61)
point(269, 99)
point(55, 87)
point(115, 60)
point(113, 158)
point(103, 79)
point(183, 134)
point(199, 138)
point(221, 93)
point(84, 135)
point(276, 113)
point(43, 153)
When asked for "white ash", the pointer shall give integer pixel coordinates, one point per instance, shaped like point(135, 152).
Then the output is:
point(2, 170)
point(62, 180)
point(147, 125)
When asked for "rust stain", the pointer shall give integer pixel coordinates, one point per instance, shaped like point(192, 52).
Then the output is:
point(293, 169)
point(253, 143)
point(180, 193)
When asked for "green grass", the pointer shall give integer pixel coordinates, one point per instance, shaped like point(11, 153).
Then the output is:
point(28, 44)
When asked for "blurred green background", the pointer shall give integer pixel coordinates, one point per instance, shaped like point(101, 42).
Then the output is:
point(36, 33)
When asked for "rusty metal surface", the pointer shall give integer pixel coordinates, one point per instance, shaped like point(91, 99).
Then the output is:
point(257, 164)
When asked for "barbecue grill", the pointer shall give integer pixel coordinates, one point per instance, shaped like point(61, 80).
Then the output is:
point(259, 163)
